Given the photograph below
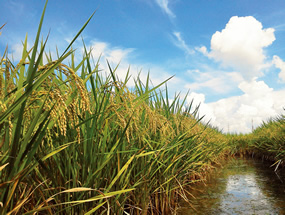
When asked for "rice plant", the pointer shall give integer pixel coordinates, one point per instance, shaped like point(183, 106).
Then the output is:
point(267, 141)
point(74, 141)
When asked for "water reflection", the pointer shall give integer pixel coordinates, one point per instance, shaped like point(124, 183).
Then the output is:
point(241, 187)
point(243, 193)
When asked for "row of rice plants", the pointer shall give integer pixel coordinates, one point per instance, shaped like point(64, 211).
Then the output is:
point(73, 141)
point(268, 140)
point(238, 144)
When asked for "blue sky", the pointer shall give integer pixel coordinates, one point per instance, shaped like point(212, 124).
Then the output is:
point(229, 54)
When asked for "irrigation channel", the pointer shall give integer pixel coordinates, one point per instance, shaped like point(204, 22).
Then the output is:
point(241, 186)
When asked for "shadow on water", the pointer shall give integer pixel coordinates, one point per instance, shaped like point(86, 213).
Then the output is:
point(242, 186)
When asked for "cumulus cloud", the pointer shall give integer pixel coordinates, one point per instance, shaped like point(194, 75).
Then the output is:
point(180, 43)
point(240, 45)
point(163, 4)
point(218, 82)
point(198, 101)
point(280, 64)
point(239, 113)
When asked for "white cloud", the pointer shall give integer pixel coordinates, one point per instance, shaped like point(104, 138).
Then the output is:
point(217, 81)
point(257, 103)
point(16, 52)
point(16, 49)
point(240, 46)
point(203, 50)
point(98, 48)
point(280, 64)
point(123, 57)
point(113, 54)
point(180, 43)
point(163, 4)
point(239, 113)
point(198, 100)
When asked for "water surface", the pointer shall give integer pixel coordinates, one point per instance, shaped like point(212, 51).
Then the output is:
point(241, 186)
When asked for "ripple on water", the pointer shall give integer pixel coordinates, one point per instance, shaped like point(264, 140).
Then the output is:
point(243, 186)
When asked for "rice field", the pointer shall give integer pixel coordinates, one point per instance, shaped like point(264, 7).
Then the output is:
point(265, 142)
point(76, 141)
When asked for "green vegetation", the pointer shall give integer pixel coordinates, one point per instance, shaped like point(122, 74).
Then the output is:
point(73, 141)
point(266, 142)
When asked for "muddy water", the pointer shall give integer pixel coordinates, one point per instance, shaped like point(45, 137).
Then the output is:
point(242, 186)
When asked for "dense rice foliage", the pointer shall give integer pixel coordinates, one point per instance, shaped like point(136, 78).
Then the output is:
point(269, 139)
point(73, 141)
point(266, 142)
